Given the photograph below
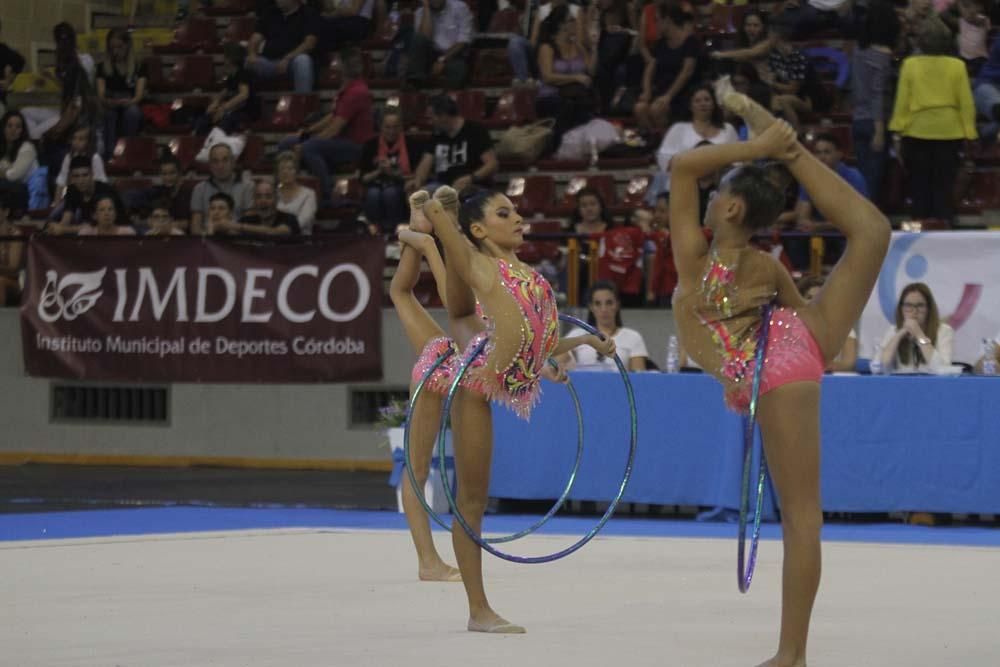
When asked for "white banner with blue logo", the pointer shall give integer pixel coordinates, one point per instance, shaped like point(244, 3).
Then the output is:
point(962, 270)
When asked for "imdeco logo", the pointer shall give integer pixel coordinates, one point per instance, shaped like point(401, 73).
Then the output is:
point(71, 296)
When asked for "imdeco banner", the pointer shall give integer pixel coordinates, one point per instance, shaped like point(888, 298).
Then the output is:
point(194, 310)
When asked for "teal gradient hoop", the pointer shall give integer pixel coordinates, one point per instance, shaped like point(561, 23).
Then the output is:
point(444, 420)
point(745, 565)
point(487, 544)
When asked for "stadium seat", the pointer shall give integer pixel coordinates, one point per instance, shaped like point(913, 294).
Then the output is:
point(134, 154)
point(239, 29)
point(189, 74)
point(514, 107)
point(532, 194)
point(185, 148)
point(191, 36)
point(290, 113)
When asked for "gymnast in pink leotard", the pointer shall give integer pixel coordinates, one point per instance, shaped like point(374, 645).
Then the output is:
point(721, 297)
point(491, 296)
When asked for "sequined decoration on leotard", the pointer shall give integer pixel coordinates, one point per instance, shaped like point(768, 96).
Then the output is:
point(718, 292)
point(518, 384)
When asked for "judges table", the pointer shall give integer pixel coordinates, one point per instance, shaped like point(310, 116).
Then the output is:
point(888, 443)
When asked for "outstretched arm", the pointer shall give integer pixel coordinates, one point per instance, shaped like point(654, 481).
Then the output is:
point(605, 346)
point(425, 244)
point(686, 237)
point(462, 256)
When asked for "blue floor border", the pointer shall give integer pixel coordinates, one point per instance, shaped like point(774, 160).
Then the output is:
point(167, 520)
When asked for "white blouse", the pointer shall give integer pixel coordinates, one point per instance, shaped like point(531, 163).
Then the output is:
point(683, 137)
point(25, 162)
point(940, 359)
point(302, 206)
point(628, 343)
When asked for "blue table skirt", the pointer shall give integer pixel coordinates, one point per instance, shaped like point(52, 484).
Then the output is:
point(888, 443)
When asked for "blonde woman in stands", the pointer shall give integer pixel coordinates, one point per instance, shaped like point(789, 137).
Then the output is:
point(719, 306)
point(293, 197)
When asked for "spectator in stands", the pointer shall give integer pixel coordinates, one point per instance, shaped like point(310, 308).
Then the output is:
point(673, 71)
point(619, 260)
point(660, 269)
point(223, 178)
point(605, 315)
point(968, 21)
point(18, 159)
point(293, 197)
point(11, 64)
point(590, 216)
point(521, 50)
point(847, 360)
point(81, 198)
point(871, 88)
point(161, 222)
point(827, 148)
point(615, 42)
point(169, 192)
point(78, 103)
point(387, 163)
point(109, 219)
point(461, 151)
point(439, 47)
point(83, 142)
point(11, 254)
point(933, 113)
point(346, 22)
point(753, 42)
point(788, 71)
point(265, 219)
point(987, 95)
point(337, 139)
point(221, 218)
point(705, 125)
point(807, 17)
point(919, 341)
point(121, 87)
point(287, 30)
point(237, 102)
point(911, 19)
point(564, 65)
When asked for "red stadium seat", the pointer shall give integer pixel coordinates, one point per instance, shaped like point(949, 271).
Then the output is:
point(603, 183)
point(514, 107)
point(491, 68)
point(532, 194)
point(134, 154)
point(290, 113)
point(185, 149)
point(191, 36)
point(253, 156)
point(189, 74)
point(235, 8)
point(412, 105)
point(635, 192)
point(239, 29)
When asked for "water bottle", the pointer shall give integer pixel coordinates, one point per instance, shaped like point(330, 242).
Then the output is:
point(673, 363)
point(989, 357)
point(875, 366)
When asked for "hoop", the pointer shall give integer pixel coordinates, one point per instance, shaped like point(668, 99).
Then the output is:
point(745, 574)
point(485, 544)
point(445, 411)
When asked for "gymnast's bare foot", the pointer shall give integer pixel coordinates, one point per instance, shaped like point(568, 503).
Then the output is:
point(418, 222)
point(448, 197)
point(440, 571)
point(489, 621)
point(757, 117)
point(778, 661)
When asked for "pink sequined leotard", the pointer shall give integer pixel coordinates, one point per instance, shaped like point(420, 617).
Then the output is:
point(515, 381)
point(719, 324)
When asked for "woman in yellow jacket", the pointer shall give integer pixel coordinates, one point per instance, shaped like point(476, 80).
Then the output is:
point(934, 113)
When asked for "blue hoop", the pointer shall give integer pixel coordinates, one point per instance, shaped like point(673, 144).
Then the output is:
point(744, 576)
point(485, 544)
point(420, 492)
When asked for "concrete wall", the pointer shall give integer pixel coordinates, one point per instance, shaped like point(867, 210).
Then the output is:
point(268, 425)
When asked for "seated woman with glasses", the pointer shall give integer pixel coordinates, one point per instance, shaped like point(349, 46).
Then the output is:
point(920, 341)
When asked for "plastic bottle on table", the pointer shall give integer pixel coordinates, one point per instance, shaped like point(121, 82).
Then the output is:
point(876, 362)
point(673, 363)
point(989, 357)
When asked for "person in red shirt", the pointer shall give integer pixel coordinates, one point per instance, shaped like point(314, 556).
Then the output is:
point(338, 138)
